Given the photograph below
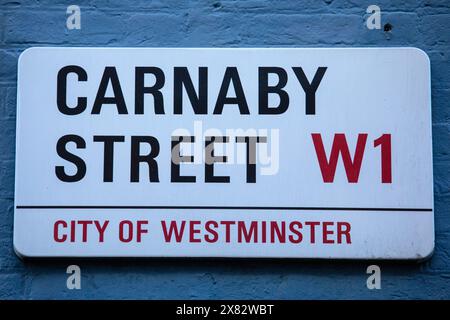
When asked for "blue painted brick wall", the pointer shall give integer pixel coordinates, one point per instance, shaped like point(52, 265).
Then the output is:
point(225, 23)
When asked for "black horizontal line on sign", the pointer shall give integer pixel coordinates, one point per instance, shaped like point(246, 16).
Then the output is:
point(226, 208)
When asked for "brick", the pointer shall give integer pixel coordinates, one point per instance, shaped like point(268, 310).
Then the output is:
point(3, 91)
point(385, 5)
point(8, 64)
point(129, 29)
point(7, 103)
point(10, 103)
point(435, 29)
point(441, 182)
point(7, 141)
point(439, 103)
point(7, 179)
point(11, 286)
point(441, 149)
point(436, 3)
point(440, 69)
point(6, 211)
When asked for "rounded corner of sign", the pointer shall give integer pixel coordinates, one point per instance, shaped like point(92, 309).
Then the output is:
point(26, 53)
point(22, 254)
point(427, 254)
point(420, 54)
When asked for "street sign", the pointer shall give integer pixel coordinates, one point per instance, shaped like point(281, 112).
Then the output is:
point(274, 152)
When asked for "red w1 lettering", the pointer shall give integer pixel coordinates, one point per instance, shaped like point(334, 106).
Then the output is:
point(352, 165)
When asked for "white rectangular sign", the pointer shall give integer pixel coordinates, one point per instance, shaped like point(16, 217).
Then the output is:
point(300, 153)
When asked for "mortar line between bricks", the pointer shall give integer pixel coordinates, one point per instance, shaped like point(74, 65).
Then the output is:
point(145, 11)
point(228, 9)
